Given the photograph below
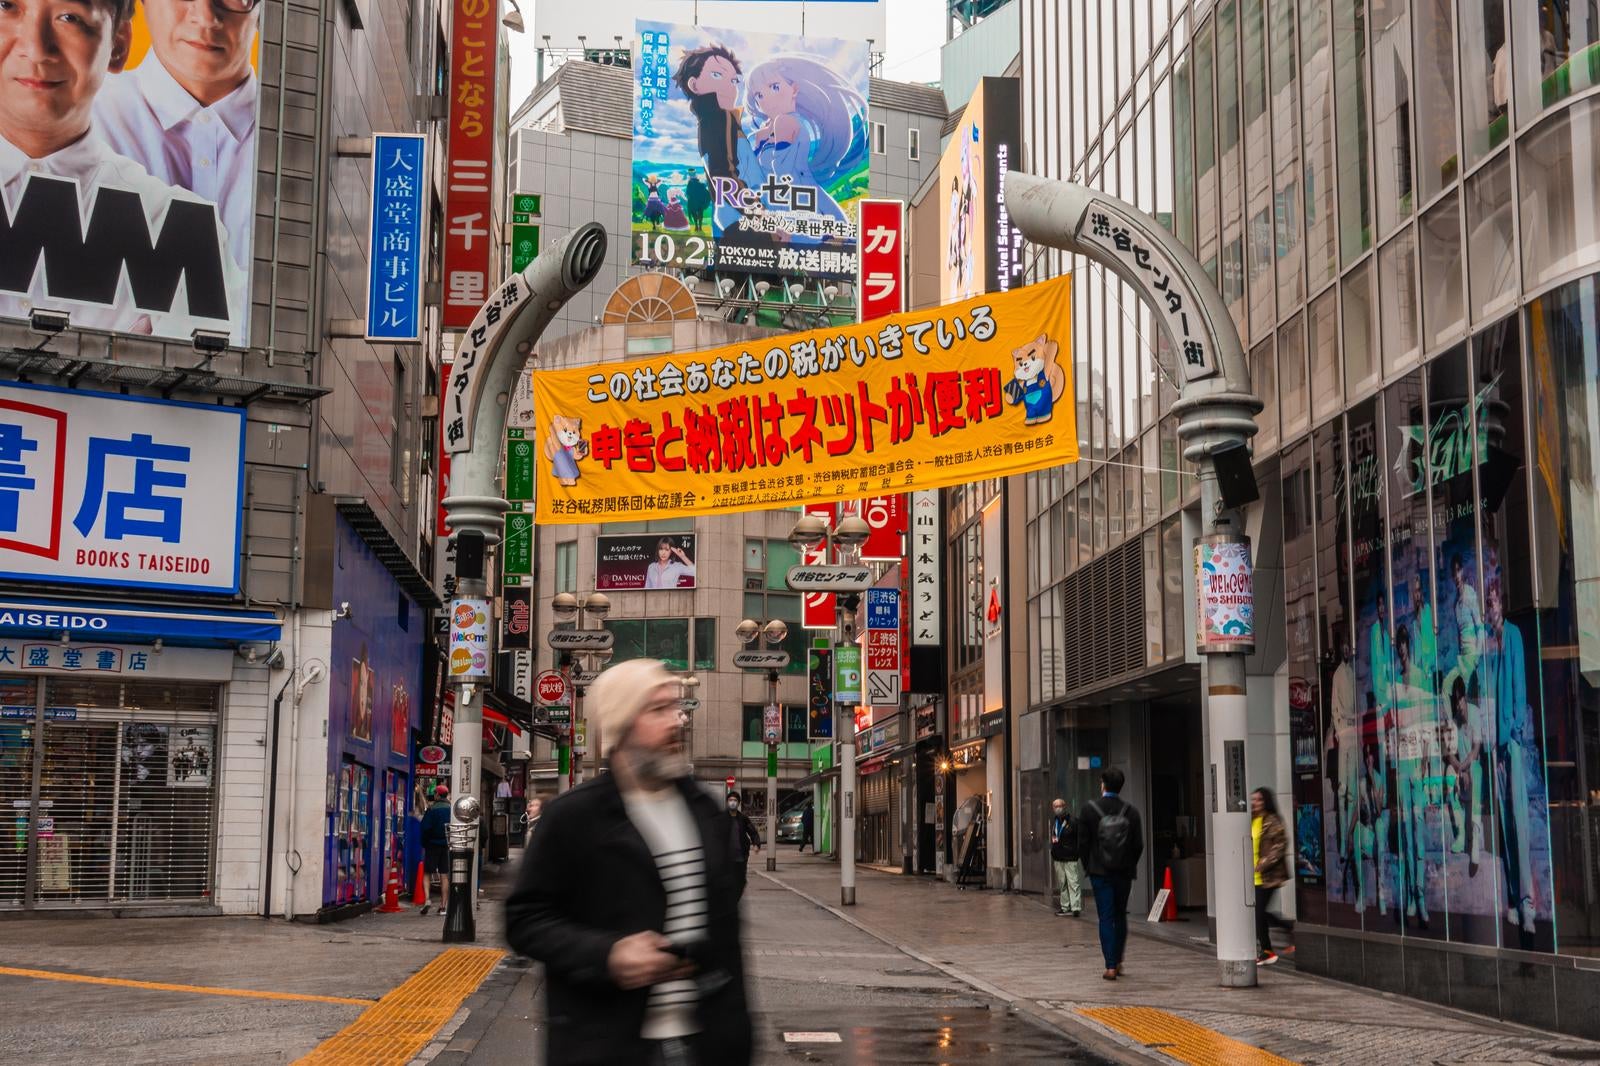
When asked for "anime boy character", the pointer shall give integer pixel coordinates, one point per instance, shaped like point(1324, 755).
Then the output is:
point(564, 447)
point(1038, 379)
point(711, 77)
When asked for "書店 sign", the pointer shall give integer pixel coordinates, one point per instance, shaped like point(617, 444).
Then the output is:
point(98, 489)
point(973, 390)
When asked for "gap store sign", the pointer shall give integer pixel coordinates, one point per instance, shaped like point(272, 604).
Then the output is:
point(98, 489)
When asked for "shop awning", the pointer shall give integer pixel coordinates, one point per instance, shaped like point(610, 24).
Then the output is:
point(135, 623)
point(493, 717)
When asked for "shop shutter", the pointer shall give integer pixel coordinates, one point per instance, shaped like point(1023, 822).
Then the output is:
point(18, 695)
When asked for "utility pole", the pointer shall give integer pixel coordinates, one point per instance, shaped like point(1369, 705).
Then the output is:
point(1216, 412)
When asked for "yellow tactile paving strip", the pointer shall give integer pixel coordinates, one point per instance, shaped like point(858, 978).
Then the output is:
point(162, 986)
point(398, 1026)
point(1180, 1039)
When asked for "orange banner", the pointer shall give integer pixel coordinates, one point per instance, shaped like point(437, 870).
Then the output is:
point(921, 400)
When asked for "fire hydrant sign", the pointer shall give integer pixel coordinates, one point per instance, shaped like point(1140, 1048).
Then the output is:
point(469, 639)
point(883, 646)
point(925, 399)
point(97, 489)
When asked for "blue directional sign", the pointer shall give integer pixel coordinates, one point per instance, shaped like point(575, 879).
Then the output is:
point(883, 608)
point(394, 256)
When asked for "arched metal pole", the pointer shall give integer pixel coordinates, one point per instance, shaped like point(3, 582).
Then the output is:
point(493, 354)
point(1216, 409)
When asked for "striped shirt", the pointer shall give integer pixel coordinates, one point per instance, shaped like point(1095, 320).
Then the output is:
point(664, 820)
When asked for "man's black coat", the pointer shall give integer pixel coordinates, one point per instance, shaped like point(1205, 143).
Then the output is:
point(587, 881)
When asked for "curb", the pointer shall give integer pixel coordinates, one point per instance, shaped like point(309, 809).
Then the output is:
point(1103, 1042)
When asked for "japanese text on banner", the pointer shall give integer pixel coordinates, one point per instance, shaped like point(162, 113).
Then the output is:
point(972, 390)
point(468, 239)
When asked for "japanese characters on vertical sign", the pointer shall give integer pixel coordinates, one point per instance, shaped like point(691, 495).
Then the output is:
point(886, 518)
point(883, 647)
point(519, 466)
point(460, 400)
point(755, 142)
point(1151, 269)
point(468, 238)
point(516, 550)
point(394, 247)
point(919, 400)
point(526, 208)
point(818, 609)
point(881, 286)
point(98, 489)
point(926, 553)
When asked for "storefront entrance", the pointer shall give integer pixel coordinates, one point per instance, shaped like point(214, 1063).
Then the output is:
point(109, 790)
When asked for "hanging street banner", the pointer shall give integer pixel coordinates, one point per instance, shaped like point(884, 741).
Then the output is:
point(922, 400)
point(750, 151)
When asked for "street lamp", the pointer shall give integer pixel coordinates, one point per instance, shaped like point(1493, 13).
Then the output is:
point(774, 633)
point(569, 608)
point(687, 705)
point(809, 533)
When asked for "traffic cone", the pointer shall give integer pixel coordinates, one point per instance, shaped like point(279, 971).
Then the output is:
point(1169, 913)
point(419, 891)
point(391, 891)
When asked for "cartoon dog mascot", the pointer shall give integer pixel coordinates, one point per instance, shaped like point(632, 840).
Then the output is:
point(1039, 379)
point(564, 447)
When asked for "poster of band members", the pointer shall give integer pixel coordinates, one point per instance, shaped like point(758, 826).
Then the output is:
point(1437, 813)
point(127, 165)
point(644, 561)
point(190, 755)
point(750, 151)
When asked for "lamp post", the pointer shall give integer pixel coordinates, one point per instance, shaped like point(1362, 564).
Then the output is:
point(773, 633)
point(851, 532)
point(687, 705)
point(587, 654)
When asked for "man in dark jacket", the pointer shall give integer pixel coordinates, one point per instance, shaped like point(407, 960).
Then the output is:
point(1064, 859)
point(742, 836)
point(627, 896)
point(436, 846)
point(1111, 839)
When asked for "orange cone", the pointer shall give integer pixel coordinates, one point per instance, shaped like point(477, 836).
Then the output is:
point(1169, 913)
point(391, 891)
point(419, 891)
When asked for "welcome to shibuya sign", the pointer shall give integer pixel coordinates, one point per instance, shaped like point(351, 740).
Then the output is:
point(99, 489)
point(972, 390)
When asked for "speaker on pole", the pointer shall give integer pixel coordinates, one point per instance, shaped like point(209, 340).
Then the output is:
point(1236, 478)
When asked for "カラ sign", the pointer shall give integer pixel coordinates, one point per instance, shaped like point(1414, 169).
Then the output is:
point(960, 393)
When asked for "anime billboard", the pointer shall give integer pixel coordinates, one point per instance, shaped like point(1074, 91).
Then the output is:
point(129, 174)
point(980, 251)
point(750, 151)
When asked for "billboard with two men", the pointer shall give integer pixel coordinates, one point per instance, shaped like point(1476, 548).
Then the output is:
point(750, 151)
point(127, 163)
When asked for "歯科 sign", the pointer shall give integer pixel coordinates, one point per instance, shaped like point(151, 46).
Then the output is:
point(99, 489)
point(973, 390)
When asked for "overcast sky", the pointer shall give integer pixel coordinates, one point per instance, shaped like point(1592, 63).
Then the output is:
point(916, 30)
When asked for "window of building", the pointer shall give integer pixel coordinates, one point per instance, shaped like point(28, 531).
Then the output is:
point(1556, 53)
point(1173, 606)
point(755, 555)
point(1316, 54)
point(879, 134)
point(1360, 348)
point(705, 644)
point(1491, 251)
point(1351, 116)
point(781, 555)
point(1438, 156)
point(1286, 151)
point(1401, 333)
point(1391, 111)
point(1444, 310)
point(567, 566)
point(914, 143)
point(1183, 205)
point(753, 718)
point(1322, 346)
point(1556, 177)
point(1485, 80)
point(1294, 396)
point(1264, 382)
point(666, 639)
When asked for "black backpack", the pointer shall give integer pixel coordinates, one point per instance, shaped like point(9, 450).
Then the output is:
point(1113, 837)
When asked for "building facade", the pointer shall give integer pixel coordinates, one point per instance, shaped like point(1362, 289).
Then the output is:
point(1396, 201)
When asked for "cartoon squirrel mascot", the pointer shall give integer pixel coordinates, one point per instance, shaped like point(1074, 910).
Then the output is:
point(1038, 380)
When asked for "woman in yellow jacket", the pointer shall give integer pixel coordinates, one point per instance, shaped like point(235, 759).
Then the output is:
point(1270, 842)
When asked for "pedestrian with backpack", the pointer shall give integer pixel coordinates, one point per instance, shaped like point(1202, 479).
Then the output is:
point(1111, 839)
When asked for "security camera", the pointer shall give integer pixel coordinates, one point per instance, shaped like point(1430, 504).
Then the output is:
point(275, 660)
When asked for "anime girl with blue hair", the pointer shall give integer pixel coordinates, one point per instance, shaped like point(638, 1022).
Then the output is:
point(807, 125)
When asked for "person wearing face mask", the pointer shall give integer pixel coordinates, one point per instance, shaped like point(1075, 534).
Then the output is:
point(742, 836)
point(187, 112)
point(1064, 859)
point(629, 897)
